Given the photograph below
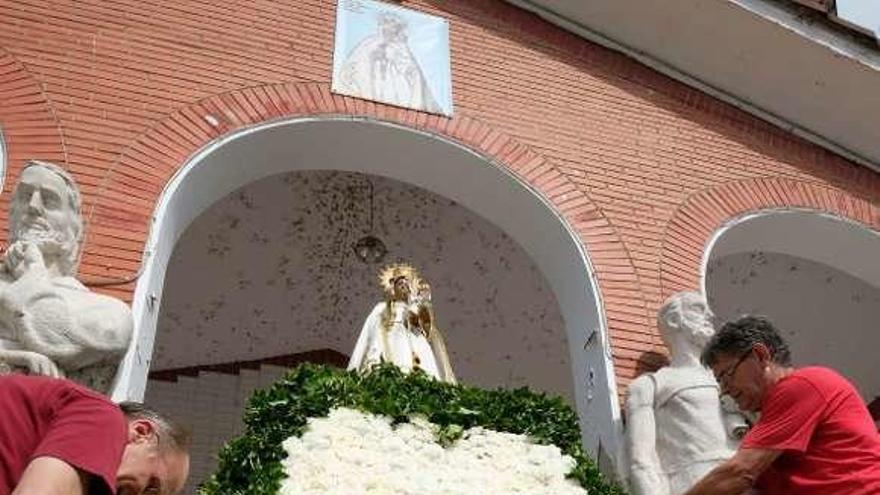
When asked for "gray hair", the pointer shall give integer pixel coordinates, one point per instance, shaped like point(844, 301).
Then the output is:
point(171, 433)
point(740, 336)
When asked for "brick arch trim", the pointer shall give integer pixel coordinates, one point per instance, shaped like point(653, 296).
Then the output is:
point(27, 121)
point(697, 220)
point(28, 124)
point(118, 221)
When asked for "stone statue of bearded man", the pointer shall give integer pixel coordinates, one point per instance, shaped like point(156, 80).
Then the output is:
point(678, 426)
point(50, 323)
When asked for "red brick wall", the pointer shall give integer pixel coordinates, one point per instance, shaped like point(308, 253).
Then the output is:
point(642, 167)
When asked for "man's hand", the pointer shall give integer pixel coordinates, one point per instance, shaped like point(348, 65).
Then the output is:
point(737, 475)
point(24, 257)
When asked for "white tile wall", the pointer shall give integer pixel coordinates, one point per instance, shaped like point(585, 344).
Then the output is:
point(212, 406)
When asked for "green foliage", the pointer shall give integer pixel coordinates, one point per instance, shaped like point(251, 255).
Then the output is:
point(251, 464)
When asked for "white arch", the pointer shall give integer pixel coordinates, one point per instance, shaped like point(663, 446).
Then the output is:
point(422, 159)
point(814, 274)
point(814, 235)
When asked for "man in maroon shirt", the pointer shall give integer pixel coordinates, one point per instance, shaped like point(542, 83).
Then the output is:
point(814, 435)
point(59, 438)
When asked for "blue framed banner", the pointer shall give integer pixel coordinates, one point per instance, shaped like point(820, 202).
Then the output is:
point(392, 55)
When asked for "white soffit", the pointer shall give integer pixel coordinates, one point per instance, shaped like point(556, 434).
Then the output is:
point(761, 55)
point(863, 15)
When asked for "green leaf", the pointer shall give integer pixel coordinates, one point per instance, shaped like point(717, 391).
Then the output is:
point(251, 464)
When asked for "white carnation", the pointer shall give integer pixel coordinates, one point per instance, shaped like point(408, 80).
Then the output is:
point(351, 453)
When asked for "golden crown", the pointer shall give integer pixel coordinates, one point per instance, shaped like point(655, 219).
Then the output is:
point(390, 273)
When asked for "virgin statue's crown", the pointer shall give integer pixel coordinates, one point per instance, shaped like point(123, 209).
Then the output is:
point(395, 271)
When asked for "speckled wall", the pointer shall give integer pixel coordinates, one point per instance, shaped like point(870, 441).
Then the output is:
point(269, 270)
point(829, 317)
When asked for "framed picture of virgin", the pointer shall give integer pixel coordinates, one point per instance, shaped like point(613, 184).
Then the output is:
point(392, 55)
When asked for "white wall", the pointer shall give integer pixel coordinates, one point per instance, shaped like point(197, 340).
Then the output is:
point(828, 316)
point(269, 270)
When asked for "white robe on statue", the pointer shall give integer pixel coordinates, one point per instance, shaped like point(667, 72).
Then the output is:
point(405, 347)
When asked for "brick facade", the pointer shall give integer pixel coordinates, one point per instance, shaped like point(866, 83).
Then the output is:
point(643, 168)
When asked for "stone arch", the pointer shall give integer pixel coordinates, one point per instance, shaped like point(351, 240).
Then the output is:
point(132, 185)
point(119, 220)
point(810, 268)
point(703, 215)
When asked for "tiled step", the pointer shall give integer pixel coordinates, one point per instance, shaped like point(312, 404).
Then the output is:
point(211, 399)
point(211, 405)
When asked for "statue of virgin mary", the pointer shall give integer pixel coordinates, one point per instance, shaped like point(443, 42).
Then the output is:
point(401, 329)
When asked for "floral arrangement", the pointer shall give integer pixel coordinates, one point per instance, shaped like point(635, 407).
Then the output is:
point(295, 429)
point(354, 452)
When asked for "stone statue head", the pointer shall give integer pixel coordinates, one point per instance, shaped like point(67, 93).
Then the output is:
point(46, 211)
point(397, 281)
point(685, 317)
point(401, 289)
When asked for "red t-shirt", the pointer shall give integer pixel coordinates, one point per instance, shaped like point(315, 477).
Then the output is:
point(42, 416)
point(830, 444)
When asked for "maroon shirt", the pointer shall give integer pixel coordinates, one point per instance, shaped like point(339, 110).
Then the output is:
point(829, 442)
point(42, 416)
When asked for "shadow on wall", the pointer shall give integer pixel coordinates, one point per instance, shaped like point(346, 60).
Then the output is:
point(650, 362)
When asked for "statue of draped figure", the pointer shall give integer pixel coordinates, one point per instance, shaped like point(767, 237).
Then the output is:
point(402, 329)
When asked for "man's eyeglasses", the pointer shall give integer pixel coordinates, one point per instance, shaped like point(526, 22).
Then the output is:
point(727, 374)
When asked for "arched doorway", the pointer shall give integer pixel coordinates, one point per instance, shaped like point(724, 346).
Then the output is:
point(417, 158)
point(270, 271)
point(814, 274)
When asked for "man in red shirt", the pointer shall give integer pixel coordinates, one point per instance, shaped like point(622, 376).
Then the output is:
point(814, 435)
point(59, 438)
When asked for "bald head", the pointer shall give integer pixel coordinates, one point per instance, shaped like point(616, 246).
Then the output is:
point(156, 458)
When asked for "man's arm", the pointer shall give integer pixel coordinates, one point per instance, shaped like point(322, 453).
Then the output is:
point(51, 476)
point(736, 475)
point(646, 475)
